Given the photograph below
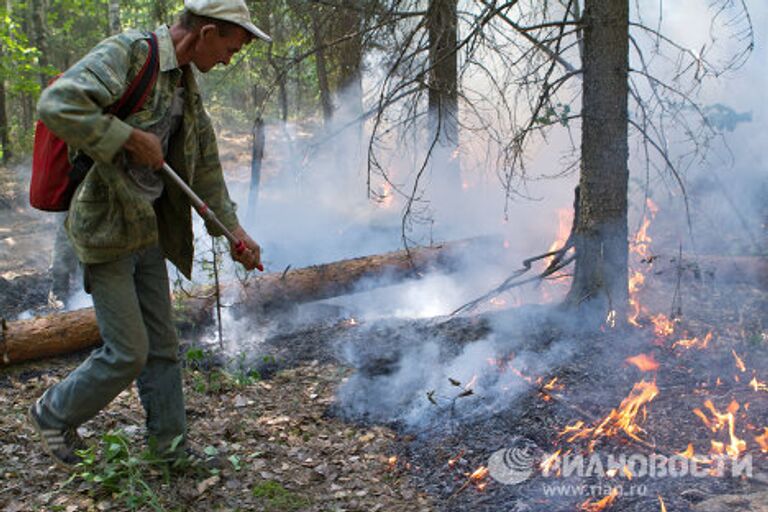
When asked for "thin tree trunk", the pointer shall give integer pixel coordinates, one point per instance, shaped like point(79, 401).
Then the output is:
point(5, 144)
point(40, 31)
point(257, 155)
point(320, 67)
point(115, 26)
point(601, 231)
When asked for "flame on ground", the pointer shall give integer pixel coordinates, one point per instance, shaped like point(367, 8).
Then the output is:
point(758, 385)
point(623, 419)
point(763, 441)
point(644, 362)
point(739, 362)
point(604, 503)
point(661, 504)
point(662, 325)
point(719, 421)
point(695, 342)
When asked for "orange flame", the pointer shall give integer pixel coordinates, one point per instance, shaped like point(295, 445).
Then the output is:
point(564, 223)
point(604, 503)
point(763, 441)
point(758, 385)
point(479, 474)
point(718, 422)
point(546, 464)
point(739, 362)
point(644, 362)
point(662, 326)
point(694, 342)
point(661, 503)
point(622, 419)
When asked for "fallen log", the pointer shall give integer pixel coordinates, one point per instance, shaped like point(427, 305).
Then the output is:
point(62, 333)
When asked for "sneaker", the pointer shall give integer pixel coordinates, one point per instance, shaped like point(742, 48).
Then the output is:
point(59, 444)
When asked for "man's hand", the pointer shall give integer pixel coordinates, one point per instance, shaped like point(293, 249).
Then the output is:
point(144, 149)
point(250, 258)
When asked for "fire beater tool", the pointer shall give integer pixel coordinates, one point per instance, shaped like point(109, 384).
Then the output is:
point(205, 212)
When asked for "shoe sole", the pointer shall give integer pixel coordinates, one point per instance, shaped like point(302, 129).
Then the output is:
point(38, 429)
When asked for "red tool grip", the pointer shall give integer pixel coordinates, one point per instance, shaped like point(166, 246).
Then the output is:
point(240, 247)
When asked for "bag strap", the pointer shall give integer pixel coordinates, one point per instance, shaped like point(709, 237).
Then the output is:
point(131, 101)
point(138, 91)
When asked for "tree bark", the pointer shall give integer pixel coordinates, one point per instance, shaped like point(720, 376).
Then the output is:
point(443, 122)
point(257, 155)
point(40, 31)
point(5, 142)
point(115, 26)
point(320, 67)
point(350, 58)
point(442, 22)
point(601, 231)
point(67, 332)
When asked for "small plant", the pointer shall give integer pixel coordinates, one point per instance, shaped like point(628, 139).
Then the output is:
point(120, 472)
point(278, 498)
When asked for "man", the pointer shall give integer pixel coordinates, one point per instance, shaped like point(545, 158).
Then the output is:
point(124, 219)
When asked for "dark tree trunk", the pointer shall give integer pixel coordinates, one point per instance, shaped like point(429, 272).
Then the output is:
point(601, 231)
point(320, 66)
point(40, 31)
point(442, 23)
point(350, 58)
point(443, 77)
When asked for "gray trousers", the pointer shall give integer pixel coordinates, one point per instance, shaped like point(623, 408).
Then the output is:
point(133, 309)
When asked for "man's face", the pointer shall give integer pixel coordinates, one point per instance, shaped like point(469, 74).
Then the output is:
point(213, 48)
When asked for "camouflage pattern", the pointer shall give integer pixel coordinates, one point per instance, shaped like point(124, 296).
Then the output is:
point(108, 217)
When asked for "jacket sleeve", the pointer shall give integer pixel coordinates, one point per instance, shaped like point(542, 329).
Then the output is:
point(73, 106)
point(209, 179)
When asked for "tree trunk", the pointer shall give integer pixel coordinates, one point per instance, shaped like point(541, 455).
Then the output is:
point(5, 144)
point(601, 231)
point(115, 26)
point(160, 11)
point(40, 31)
point(442, 23)
point(320, 66)
point(67, 332)
point(257, 155)
point(350, 58)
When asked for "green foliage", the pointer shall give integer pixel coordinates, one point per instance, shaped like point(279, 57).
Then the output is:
point(558, 113)
point(120, 472)
point(278, 498)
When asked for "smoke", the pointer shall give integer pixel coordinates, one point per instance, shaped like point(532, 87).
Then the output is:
point(314, 206)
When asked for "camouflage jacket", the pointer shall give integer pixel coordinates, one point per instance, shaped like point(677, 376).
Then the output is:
point(108, 218)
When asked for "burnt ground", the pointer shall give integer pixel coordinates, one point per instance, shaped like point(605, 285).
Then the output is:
point(440, 455)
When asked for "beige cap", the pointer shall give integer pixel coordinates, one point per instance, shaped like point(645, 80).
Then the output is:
point(234, 11)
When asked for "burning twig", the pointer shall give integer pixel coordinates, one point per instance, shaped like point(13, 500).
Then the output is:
point(558, 262)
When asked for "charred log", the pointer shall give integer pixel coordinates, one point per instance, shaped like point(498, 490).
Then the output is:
point(68, 332)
